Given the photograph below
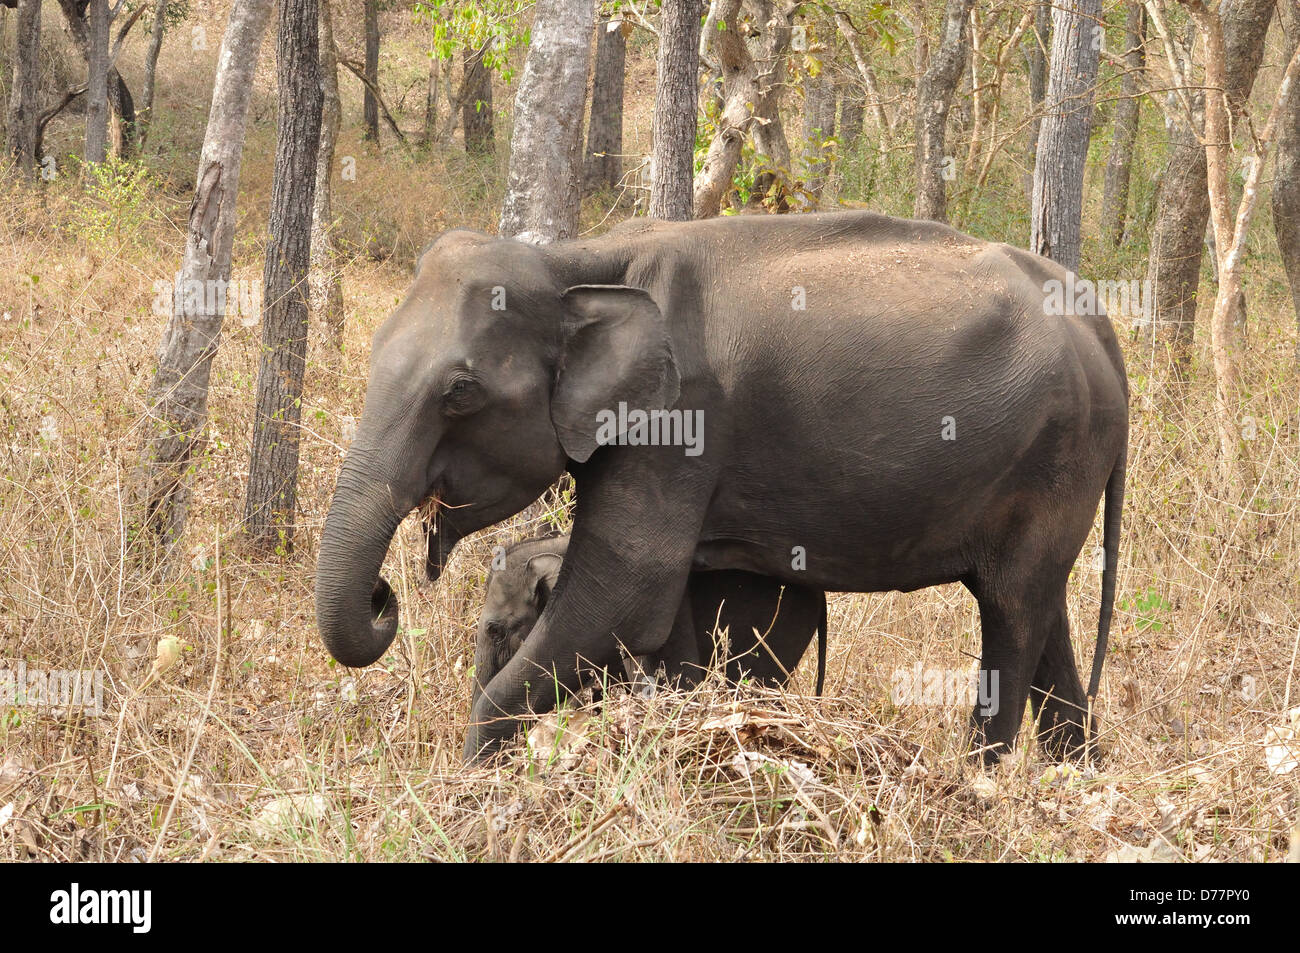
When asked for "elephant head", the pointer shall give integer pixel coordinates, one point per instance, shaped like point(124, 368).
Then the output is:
point(516, 595)
point(484, 384)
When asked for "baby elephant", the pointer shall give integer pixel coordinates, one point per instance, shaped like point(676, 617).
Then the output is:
point(785, 617)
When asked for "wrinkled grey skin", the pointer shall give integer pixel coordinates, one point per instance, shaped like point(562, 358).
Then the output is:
point(739, 602)
point(831, 356)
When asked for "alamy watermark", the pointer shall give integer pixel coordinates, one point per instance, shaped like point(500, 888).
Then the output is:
point(946, 687)
point(1082, 296)
point(215, 296)
point(133, 908)
point(651, 428)
point(22, 687)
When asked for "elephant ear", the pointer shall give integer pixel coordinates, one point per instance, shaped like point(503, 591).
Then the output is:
point(616, 350)
point(543, 571)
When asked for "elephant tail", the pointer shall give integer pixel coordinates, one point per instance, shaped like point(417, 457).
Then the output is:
point(1114, 508)
point(821, 649)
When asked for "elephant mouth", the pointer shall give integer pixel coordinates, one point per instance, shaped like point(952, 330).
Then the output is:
point(428, 509)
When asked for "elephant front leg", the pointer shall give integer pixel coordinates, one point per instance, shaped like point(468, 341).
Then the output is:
point(622, 584)
point(581, 630)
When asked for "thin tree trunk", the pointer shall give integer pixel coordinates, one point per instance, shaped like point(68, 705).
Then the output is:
point(868, 74)
point(370, 104)
point(1114, 203)
point(1039, 45)
point(6, 68)
point(603, 163)
point(818, 126)
point(476, 105)
point(151, 70)
point(1056, 223)
point(1286, 181)
point(543, 191)
point(933, 98)
point(1229, 229)
point(994, 96)
point(178, 398)
point(852, 110)
point(122, 111)
point(269, 512)
point(23, 102)
point(978, 97)
point(447, 68)
point(326, 283)
point(431, 101)
point(97, 35)
point(672, 169)
point(1178, 234)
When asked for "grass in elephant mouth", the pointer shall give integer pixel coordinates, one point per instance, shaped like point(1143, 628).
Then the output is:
point(427, 511)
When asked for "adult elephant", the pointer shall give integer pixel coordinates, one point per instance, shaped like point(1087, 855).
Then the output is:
point(886, 404)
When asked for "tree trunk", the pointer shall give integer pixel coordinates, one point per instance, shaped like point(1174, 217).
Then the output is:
point(476, 107)
point(325, 283)
point(122, 108)
point(753, 73)
point(852, 110)
point(1286, 181)
point(273, 466)
point(431, 101)
point(672, 170)
point(603, 163)
point(1056, 223)
point(543, 191)
point(24, 104)
point(97, 82)
point(370, 110)
point(818, 126)
point(447, 68)
point(1040, 41)
point(1114, 203)
point(1178, 235)
point(151, 70)
point(1229, 229)
point(76, 17)
point(933, 98)
point(768, 132)
point(177, 403)
point(868, 74)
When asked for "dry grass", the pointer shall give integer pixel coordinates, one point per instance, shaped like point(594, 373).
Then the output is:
point(256, 746)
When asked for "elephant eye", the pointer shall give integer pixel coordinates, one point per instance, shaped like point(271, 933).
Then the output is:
point(460, 396)
point(496, 630)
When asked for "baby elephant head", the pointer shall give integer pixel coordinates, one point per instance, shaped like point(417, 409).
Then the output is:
point(517, 592)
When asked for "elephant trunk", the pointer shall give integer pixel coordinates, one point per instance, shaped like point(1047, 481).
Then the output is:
point(356, 609)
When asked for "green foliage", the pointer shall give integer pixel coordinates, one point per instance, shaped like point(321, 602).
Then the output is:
point(459, 26)
point(176, 13)
point(1147, 607)
point(114, 205)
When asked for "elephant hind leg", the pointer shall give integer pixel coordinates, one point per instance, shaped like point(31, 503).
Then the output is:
point(1057, 694)
point(679, 657)
point(1020, 614)
point(1009, 637)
